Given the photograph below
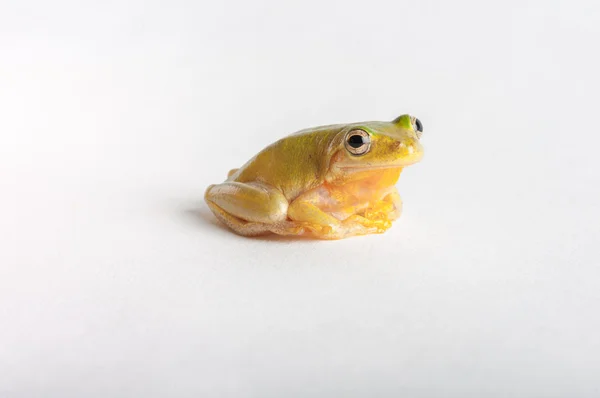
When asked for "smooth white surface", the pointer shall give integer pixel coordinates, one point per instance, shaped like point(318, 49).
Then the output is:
point(116, 280)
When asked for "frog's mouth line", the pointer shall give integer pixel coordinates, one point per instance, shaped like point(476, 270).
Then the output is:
point(369, 167)
point(382, 167)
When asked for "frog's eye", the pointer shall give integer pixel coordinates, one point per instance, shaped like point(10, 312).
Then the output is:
point(417, 126)
point(358, 142)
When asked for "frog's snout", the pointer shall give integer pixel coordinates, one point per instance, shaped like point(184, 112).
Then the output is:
point(409, 146)
point(410, 150)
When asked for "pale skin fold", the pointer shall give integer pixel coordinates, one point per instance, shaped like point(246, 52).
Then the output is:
point(328, 182)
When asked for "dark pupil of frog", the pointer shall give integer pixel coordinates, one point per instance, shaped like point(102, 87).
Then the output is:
point(356, 141)
point(419, 125)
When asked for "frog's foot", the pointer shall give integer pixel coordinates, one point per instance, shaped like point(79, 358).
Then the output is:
point(352, 226)
point(293, 228)
point(394, 199)
point(380, 217)
point(384, 211)
point(374, 220)
point(324, 225)
point(377, 223)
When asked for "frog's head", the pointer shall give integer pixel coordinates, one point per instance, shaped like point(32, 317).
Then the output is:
point(379, 145)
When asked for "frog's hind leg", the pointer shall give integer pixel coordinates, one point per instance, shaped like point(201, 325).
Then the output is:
point(251, 209)
point(238, 225)
point(246, 228)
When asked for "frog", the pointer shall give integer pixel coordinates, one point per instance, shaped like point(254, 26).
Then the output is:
point(327, 182)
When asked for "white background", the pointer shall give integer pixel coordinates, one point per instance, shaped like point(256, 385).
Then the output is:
point(117, 281)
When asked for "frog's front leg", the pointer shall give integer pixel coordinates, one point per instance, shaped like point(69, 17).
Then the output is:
point(308, 210)
point(389, 207)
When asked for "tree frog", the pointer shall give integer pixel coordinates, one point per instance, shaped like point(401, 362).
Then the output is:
point(327, 182)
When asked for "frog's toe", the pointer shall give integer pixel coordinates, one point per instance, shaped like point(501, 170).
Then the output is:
point(287, 228)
